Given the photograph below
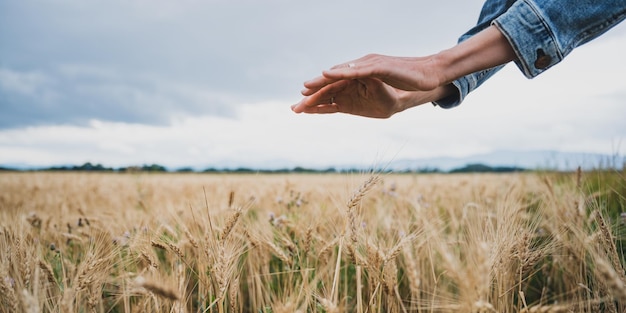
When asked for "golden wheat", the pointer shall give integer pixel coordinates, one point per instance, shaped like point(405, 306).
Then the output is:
point(78, 242)
point(159, 290)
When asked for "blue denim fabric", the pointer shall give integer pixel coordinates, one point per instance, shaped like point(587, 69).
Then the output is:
point(541, 32)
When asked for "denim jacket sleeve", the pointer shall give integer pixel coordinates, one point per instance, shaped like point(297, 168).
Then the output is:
point(540, 32)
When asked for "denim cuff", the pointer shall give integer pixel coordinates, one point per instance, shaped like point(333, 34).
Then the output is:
point(449, 102)
point(465, 85)
point(531, 37)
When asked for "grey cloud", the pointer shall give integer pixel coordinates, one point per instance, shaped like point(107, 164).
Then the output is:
point(74, 95)
point(146, 61)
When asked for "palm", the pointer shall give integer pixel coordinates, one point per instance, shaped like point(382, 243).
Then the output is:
point(367, 97)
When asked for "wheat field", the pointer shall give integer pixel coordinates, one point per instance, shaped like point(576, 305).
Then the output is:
point(370, 242)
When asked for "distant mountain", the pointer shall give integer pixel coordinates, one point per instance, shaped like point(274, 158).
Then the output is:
point(540, 159)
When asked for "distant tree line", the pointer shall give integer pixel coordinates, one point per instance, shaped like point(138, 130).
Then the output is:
point(89, 167)
point(481, 168)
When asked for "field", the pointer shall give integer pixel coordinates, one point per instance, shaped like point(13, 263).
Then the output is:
point(139, 242)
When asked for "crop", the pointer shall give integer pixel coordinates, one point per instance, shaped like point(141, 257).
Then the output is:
point(371, 242)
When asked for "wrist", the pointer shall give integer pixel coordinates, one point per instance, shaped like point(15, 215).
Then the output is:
point(409, 99)
point(444, 65)
point(406, 100)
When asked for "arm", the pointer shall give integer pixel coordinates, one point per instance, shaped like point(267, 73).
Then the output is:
point(541, 33)
point(380, 86)
point(536, 34)
point(393, 100)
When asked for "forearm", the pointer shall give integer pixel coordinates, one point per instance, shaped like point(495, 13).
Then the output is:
point(485, 50)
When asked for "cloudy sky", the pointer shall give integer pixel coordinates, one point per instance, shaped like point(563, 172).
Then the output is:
point(203, 83)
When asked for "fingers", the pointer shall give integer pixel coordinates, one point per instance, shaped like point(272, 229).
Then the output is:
point(338, 72)
point(350, 64)
point(314, 85)
point(321, 98)
point(319, 109)
point(359, 68)
point(410, 74)
point(319, 91)
point(345, 73)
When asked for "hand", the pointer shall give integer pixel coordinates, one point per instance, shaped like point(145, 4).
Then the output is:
point(380, 86)
point(367, 97)
point(404, 73)
point(484, 50)
point(373, 86)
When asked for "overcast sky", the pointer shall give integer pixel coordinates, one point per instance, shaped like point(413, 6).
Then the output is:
point(201, 83)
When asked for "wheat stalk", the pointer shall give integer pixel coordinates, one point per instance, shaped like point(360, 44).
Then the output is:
point(279, 253)
point(176, 250)
point(482, 306)
point(192, 240)
point(363, 189)
point(230, 224)
point(31, 304)
point(253, 242)
point(608, 241)
point(390, 277)
point(233, 293)
point(328, 305)
point(159, 290)
point(8, 293)
point(395, 250)
point(158, 245)
point(47, 269)
point(375, 257)
point(308, 238)
point(87, 277)
point(412, 271)
point(327, 248)
point(609, 276)
point(548, 309)
point(353, 202)
point(149, 259)
point(220, 272)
